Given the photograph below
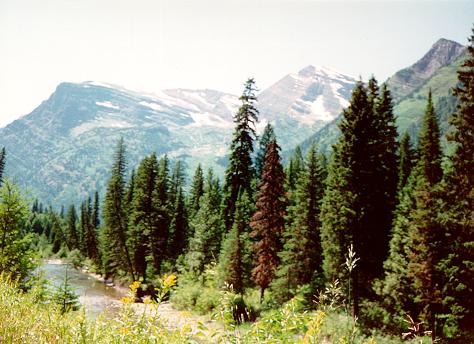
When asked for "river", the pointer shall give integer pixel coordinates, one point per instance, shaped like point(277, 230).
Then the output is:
point(93, 294)
point(96, 297)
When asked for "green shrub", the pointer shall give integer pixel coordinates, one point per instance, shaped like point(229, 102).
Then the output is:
point(76, 258)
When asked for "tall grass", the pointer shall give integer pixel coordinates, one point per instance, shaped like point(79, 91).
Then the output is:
point(30, 318)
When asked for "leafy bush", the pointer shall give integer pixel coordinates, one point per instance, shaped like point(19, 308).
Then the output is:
point(76, 258)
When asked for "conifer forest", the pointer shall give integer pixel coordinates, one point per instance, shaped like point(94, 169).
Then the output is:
point(369, 242)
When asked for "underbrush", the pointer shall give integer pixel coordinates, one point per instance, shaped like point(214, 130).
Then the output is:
point(28, 318)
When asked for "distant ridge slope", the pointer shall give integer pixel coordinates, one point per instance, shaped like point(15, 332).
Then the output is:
point(407, 80)
point(436, 70)
point(63, 149)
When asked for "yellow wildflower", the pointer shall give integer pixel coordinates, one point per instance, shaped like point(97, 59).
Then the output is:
point(127, 299)
point(169, 281)
point(134, 286)
point(124, 330)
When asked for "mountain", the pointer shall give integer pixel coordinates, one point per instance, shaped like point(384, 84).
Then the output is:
point(302, 103)
point(406, 81)
point(63, 149)
point(436, 70)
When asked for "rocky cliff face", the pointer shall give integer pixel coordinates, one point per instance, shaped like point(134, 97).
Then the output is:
point(442, 53)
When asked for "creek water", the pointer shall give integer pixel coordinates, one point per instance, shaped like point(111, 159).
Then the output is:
point(93, 294)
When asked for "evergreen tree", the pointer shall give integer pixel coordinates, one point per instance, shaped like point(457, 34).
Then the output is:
point(407, 158)
point(380, 190)
point(178, 215)
point(413, 280)
point(208, 228)
point(240, 173)
point(3, 158)
point(142, 213)
point(358, 205)
point(129, 192)
point(96, 212)
point(268, 221)
point(73, 240)
point(159, 234)
point(429, 148)
point(117, 256)
point(268, 136)
point(458, 209)
point(91, 249)
point(16, 259)
point(295, 167)
point(301, 258)
point(234, 258)
point(197, 190)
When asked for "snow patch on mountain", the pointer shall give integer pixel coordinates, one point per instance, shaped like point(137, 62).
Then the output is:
point(153, 106)
point(210, 120)
point(108, 104)
point(100, 123)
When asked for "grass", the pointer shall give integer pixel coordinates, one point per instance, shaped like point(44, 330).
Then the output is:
point(30, 318)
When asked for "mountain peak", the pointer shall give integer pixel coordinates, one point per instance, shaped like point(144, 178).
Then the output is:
point(311, 71)
point(441, 54)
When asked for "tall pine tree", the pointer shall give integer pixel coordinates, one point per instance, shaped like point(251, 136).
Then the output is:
point(3, 158)
point(458, 209)
point(178, 213)
point(234, 258)
point(268, 136)
point(197, 190)
point(240, 172)
point(117, 256)
point(407, 158)
point(268, 222)
point(142, 213)
point(358, 205)
point(301, 258)
point(159, 234)
point(207, 226)
point(413, 280)
point(73, 240)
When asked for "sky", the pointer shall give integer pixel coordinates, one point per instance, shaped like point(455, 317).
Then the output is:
point(151, 45)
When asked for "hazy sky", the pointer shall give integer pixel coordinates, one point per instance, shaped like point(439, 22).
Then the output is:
point(155, 44)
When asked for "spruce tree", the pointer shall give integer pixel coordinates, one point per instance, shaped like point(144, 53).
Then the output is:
point(178, 213)
point(295, 167)
point(117, 256)
point(429, 147)
point(3, 158)
point(73, 240)
point(96, 212)
point(407, 158)
point(197, 190)
point(268, 221)
point(240, 172)
point(413, 280)
point(91, 249)
point(159, 234)
point(268, 135)
point(207, 227)
point(234, 258)
point(142, 213)
point(301, 258)
point(457, 214)
point(358, 205)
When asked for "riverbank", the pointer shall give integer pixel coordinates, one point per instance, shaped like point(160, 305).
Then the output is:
point(98, 298)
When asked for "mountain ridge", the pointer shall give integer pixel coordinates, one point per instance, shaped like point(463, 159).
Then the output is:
point(72, 134)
